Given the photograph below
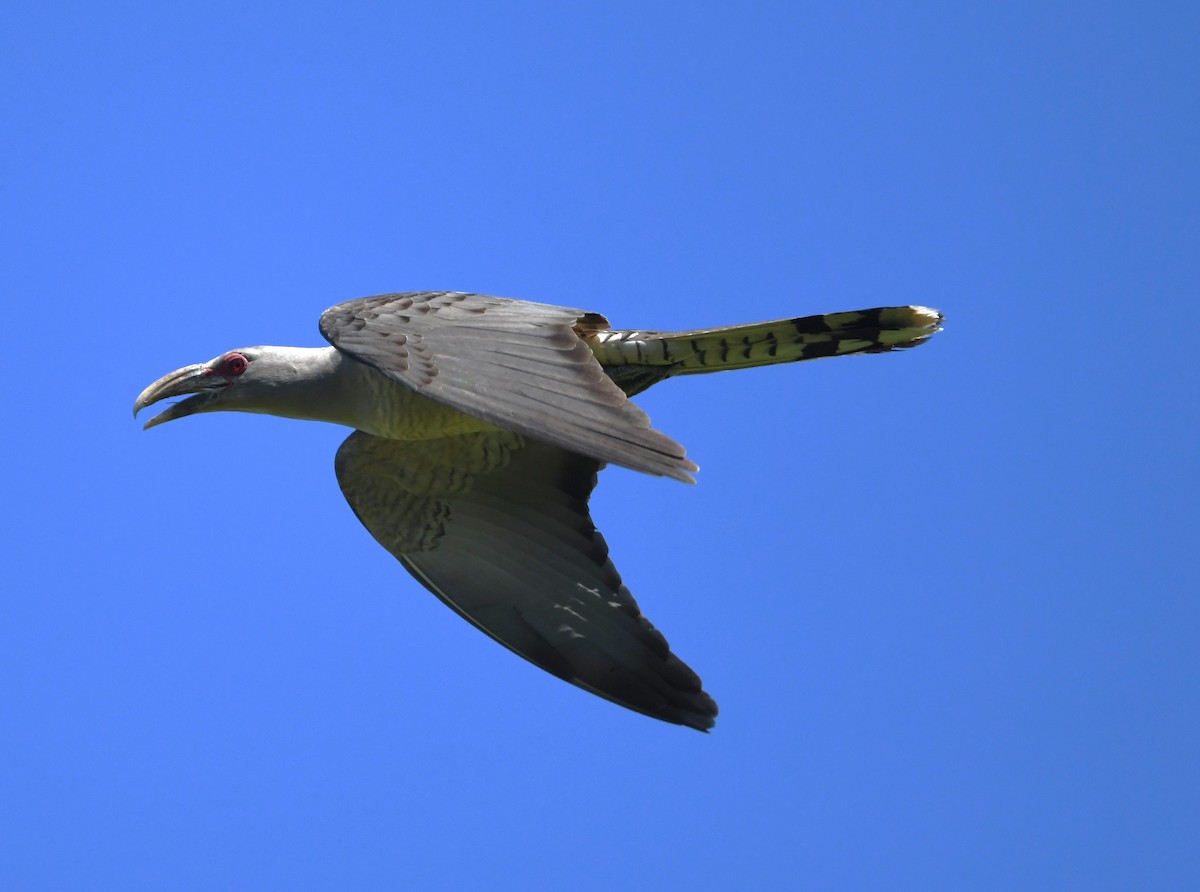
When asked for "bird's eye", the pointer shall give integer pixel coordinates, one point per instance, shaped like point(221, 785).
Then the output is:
point(234, 364)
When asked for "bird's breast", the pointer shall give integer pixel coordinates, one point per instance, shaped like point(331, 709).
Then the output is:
point(397, 412)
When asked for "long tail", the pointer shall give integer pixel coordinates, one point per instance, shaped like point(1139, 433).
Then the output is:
point(637, 359)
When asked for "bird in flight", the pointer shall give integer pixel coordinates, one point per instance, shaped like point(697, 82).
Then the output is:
point(480, 425)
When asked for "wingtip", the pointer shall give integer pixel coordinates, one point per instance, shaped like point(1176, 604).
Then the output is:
point(701, 716)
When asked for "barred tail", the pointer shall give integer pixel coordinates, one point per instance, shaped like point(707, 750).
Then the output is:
point(637, 359)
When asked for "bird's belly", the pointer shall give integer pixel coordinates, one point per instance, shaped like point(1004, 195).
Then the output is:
point(399, 413)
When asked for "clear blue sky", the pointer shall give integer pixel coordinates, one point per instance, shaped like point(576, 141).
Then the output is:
point(948, 600)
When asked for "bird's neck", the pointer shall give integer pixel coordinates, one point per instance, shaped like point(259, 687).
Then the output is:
point(309, 383)
point(322, 384)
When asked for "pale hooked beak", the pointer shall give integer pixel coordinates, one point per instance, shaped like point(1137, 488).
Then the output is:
point(193, 379)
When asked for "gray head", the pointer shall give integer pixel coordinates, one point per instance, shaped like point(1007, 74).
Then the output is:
point(285, 381)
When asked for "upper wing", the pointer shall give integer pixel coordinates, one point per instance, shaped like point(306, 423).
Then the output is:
point(518, 365)
point(497, 526)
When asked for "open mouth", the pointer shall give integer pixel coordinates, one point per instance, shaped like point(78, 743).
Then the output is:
point(195, 382)
point(184, 407)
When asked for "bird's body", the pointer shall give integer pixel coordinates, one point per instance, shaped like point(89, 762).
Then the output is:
point(480, 425)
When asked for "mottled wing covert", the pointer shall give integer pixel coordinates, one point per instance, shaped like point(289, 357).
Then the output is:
point(516, 364)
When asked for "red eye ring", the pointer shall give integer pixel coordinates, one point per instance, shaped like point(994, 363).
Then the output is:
point(234, 364)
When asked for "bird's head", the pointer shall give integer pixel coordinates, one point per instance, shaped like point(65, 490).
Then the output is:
point(232, 381)
point(291, 382)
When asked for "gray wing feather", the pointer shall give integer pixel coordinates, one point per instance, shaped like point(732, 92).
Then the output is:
point(515, 364)
point(498, 528)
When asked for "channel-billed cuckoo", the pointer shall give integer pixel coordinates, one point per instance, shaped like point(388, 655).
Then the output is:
point(480, 424)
